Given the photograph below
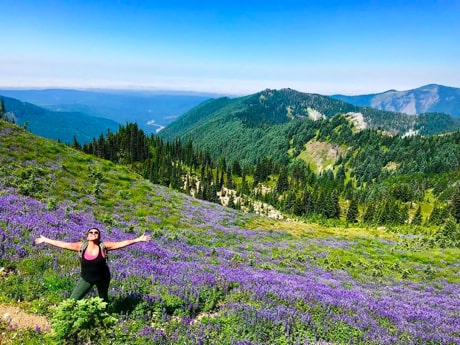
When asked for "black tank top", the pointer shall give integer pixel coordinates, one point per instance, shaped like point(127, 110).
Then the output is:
point(96, 269)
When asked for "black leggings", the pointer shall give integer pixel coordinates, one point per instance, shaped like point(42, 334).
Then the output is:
point(83, 287)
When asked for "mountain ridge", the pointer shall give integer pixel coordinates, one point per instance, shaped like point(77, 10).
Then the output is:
point(427, 98)
point(62, 126)
point(152, 110)
point(254, 111)
point(263, 120)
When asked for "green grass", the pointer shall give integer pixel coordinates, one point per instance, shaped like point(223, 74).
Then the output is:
point(372, 251)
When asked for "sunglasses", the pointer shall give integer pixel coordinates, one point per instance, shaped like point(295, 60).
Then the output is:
point(93, 232)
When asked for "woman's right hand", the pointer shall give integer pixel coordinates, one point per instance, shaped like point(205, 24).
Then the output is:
point(40, 239)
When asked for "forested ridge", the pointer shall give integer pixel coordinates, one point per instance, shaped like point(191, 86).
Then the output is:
point(272, 108)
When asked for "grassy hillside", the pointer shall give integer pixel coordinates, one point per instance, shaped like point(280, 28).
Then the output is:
point(210, 275)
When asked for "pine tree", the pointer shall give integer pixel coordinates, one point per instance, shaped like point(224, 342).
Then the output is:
point(230, 183)
point(261, 171)
point(436, 216)
point(236, 168)
point(221, 179)
point(214, 197)
point(250, 207)
point(417, 219)
point(299, 173)
point(244, 186)
point(282, 184)
point(307, 202)
point(289, 202)
point(2, 109)
point(403, 214)
point(455, 205)
point(449, 234)
point(238, 205)
point(189, 155)
point(340, 175)
point(76, 144)
point(332, 205)
point(352, 212)
point(231, 201)
point(369, 215)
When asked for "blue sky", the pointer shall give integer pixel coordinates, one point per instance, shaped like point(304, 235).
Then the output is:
point(230, 47)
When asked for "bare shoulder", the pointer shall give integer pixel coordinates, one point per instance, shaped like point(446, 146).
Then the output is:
point(109, 245)
point(75, 246)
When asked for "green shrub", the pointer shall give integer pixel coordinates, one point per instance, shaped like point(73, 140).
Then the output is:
point(173, 304)
point(83, 322)
point(209, 299)
point(52, 204)
point(449, 234)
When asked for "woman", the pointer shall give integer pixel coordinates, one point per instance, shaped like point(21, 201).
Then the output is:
point(94, 269)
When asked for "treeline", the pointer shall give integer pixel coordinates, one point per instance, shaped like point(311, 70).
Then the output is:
point(360, 188)
point(3, 114)
point(166, 163)
point(392, 201)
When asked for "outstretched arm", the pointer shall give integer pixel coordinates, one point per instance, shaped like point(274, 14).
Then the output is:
point(125, 243)
point(75, 246)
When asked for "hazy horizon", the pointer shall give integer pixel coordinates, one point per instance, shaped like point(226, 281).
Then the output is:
point(182, 92)
point(326, 47)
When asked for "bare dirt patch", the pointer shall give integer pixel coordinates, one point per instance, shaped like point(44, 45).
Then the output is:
point(321, 155)
point(17, 318)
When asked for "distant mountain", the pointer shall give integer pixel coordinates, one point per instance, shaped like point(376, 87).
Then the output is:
point(61, 125)
point(248, 128)
point(266, 108)
point(426, 99)
point(150, 110)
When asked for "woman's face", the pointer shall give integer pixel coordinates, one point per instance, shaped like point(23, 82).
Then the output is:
point(93, 234)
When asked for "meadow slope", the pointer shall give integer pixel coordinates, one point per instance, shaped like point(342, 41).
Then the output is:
point(210, 275)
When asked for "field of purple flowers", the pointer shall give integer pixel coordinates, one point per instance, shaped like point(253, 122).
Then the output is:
point(210, 275)
point(207, 280)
